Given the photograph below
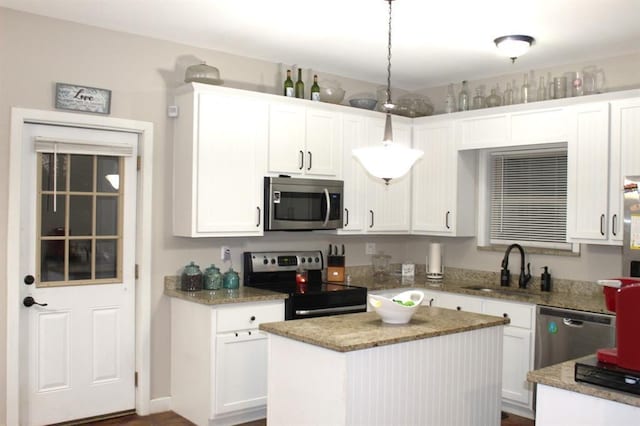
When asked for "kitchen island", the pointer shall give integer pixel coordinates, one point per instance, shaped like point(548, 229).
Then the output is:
point(443, 367)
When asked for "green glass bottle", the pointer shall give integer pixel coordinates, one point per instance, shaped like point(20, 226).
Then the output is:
point(288, 85)
point(299, 85)
point(315, 89)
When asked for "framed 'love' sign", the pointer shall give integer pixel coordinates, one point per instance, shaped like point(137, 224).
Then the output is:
point(83, 98)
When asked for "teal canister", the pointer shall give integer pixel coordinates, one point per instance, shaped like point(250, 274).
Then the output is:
point(212, 278)
point(231, 279)
point(191, 279)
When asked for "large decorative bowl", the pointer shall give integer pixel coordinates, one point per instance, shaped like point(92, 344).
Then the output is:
point(364, 103)
point(333, 95)
point(399, 309)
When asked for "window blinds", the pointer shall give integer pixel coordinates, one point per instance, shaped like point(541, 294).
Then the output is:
point(529, 197)
point(71, 146)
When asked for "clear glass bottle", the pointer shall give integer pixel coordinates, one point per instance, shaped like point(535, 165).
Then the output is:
point(516, 92)
point(542, 90)
point(300, 85)
point(551, 92)
point(463, 97)
point(288, 85)
point(524, 90)
point(315, 89)
point(450, 100)
point(478, 99)
point(494, 99)
point(508, 95)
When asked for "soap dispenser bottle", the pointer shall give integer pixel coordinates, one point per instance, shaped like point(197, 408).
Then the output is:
point(545, 279)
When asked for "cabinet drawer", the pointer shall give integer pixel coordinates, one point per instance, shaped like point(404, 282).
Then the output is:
point(520, 315)
point(460, 303)
point(248, 315)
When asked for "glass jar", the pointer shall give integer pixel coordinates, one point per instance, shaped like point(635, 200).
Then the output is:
point(231, 279)
point(493, 100)
point(212, 278)
point(478, 99)
point(191, 279)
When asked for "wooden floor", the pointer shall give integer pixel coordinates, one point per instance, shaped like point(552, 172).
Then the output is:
point(171, 418)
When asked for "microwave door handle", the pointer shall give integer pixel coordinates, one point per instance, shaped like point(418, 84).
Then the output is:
point(326, 217)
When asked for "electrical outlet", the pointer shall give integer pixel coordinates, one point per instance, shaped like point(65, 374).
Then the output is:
point(225, 253)
point(370, 248)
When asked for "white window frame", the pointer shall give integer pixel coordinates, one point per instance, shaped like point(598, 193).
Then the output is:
point(484, 198)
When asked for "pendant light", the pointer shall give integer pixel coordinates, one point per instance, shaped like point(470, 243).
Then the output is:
point(388, 160)
point(513, 46)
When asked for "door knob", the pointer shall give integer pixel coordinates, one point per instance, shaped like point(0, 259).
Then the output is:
point(29, 279)
point(30, 301)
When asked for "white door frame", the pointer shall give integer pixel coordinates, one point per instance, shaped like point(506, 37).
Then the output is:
point(143, 246)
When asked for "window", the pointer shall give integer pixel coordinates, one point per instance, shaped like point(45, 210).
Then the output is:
point(528, 198)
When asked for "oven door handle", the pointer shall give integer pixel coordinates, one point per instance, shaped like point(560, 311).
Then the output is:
point(326, 217)
point(336, 310)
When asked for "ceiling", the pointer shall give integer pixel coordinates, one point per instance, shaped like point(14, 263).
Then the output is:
point(434, 42)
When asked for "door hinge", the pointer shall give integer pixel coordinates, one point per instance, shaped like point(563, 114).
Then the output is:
point(138, 163)
point(135, 272)
point(135, 379)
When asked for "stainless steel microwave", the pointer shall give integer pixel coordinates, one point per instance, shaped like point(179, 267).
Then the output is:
point(292, 204)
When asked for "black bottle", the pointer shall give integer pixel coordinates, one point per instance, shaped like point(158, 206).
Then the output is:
point(545, 280)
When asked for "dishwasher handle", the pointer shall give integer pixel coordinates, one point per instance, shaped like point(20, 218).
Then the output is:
point(572, 323)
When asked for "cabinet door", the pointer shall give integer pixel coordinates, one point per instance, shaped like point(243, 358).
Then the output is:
point(459, 303)
point(388, 206)
point(625, 158)
point(516, 362)
point(241, 371)
point(588, 173)
point(323, 143)
point(434, 179)
point(483, 132)
point(286, 139)
point(354, 135)
point(230, 165)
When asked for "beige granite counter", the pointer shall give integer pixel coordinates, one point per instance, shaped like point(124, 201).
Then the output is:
point(577, 295)
point(351, 332)
point(562, 376)
point(219, 297)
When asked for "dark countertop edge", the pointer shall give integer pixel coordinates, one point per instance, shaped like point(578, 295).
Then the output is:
point(268, 327)
point(550, 376)
point(202, 297)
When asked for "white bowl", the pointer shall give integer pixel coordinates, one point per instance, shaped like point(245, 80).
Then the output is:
point(393, 312)
point(333, 95)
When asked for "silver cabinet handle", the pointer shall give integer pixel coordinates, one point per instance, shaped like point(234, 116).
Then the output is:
point(309, 166)
point(259, 217)
point(446, 220)
point(301, 160)
point(614, 225)
point(346, 217)
point(602, 224)
point(371, 225)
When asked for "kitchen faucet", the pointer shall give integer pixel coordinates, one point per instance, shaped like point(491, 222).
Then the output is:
point(505, 276)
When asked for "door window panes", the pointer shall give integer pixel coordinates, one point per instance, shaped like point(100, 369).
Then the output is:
point(80, 235)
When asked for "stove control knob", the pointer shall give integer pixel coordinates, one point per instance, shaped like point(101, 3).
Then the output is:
point(302, 260)
point(265, 261)
point(273, 261)
point(310, 260)
point(317, 260)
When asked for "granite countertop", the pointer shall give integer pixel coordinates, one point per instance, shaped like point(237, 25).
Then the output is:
point(562, 376)
point(351, 332)
point(219, 297)
point(583, 299)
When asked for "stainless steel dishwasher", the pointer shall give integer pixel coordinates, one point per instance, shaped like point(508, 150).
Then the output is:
point(564, 334)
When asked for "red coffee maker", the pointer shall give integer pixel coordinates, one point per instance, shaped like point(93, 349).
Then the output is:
point(622, 296)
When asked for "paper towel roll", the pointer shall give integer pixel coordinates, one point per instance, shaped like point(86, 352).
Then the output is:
point(434, 260)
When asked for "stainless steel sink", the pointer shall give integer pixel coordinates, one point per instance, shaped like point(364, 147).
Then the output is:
point(498, 290)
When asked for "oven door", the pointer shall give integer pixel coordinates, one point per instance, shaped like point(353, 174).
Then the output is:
point(302, 204)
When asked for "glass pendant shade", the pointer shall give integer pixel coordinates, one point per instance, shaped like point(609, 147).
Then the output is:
point(513, 46)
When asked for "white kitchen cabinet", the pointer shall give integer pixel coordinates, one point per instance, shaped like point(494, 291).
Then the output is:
point(354, 134)
point(219, 360)
point(218, 162)
point(442, 202)
point(388, 207)
point(588, 174)
point(304, 140)
point(459, 302)
point(624, 160)
point(486, 131)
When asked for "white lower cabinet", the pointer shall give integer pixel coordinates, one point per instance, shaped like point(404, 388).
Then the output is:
point(219, 360)
point(459, 302)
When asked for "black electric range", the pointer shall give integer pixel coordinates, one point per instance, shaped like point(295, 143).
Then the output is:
point(276, 271)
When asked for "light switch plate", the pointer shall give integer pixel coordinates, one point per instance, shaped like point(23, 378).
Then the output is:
point(370, 248)
point(408, 269)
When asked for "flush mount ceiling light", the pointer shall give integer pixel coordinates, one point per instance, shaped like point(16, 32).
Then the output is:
point(388, 160)
point(513, 46)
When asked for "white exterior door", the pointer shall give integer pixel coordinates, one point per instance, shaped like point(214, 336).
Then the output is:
point(78, 222)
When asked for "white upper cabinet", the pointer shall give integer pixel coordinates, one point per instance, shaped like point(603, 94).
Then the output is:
point(354, 135)
point(588, 174)
point(304, 140)
point(443, 182)
point(219, 162)
point(483, 132)
point(388, 207)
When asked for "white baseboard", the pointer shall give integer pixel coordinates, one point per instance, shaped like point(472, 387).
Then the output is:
point(160, 405)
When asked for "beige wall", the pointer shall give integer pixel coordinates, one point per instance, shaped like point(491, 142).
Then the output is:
point(36, 52)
